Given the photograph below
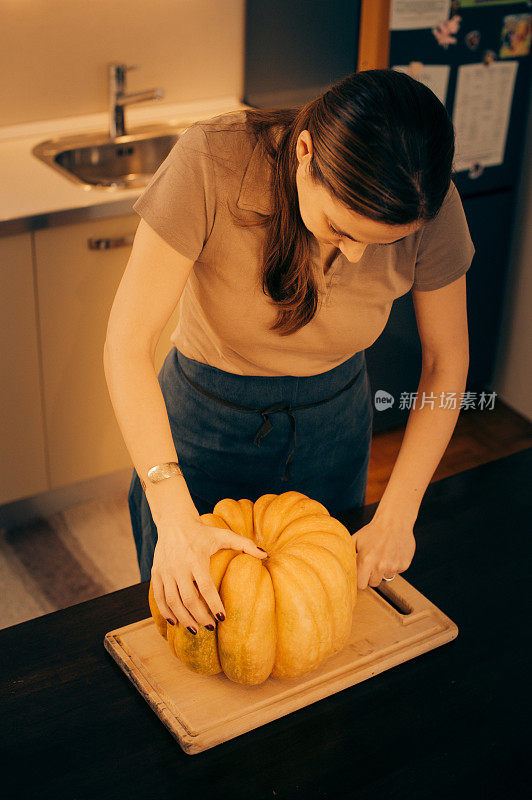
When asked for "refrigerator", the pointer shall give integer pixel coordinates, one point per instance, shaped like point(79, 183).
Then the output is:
point(476, 57)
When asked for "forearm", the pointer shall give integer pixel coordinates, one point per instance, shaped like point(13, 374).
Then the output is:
point(427, 434)
point(141, 414)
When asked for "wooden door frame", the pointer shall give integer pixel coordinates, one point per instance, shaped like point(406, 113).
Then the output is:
point(374, 35)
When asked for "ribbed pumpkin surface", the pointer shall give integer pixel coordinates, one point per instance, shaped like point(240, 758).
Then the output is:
point(285, 614)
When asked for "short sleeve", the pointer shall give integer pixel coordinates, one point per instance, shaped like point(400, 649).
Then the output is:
point(179, 201)
point(446, 249)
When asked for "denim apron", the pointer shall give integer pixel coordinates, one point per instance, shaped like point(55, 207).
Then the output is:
point(242, 436)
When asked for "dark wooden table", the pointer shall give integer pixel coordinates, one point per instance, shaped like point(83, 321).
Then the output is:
point(455, 719)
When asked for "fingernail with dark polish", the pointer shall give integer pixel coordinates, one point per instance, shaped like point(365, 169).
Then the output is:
point(171, 621)
point(192, 630)
point(210, 627)
point(261, 548)
point(220, 616)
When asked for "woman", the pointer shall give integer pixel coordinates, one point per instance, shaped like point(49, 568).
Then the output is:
point(286, 234)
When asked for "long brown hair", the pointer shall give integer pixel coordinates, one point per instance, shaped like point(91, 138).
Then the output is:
point(383, 145)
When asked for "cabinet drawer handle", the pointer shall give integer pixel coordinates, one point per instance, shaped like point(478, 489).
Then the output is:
point(107, 243)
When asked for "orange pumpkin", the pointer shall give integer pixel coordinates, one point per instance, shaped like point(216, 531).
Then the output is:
point(285, 614)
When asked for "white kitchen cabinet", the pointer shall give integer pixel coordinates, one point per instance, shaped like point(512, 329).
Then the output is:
point(22, 443)
point(76, 286)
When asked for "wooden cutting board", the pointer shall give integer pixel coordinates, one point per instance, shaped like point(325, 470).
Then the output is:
point(391, 624)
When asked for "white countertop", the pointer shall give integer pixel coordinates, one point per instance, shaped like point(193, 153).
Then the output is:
point(29, 187)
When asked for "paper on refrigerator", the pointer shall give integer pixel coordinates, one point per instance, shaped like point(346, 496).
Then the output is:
point(414, 14)
point(435, 76)
point(481, 114)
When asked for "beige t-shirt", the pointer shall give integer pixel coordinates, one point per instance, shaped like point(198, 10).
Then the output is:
point(224, 314)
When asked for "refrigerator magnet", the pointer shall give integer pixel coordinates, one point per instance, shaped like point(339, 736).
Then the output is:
point(515, 35)
point(472, 39)
point(475, 171)
point(445, 30)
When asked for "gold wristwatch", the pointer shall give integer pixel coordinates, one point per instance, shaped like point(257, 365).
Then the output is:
point(161, 471)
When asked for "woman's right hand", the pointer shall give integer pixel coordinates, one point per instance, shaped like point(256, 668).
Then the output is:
point(182, 583)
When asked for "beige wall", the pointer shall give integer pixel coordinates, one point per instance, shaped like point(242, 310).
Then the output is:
point(54, 54)
point(513, 369)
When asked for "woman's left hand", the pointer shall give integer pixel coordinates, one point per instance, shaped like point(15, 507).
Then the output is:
point(384, 548)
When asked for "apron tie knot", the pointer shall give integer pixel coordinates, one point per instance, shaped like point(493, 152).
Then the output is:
point(267, 426)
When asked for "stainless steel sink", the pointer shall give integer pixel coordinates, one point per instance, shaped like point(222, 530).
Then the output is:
point(95, 161)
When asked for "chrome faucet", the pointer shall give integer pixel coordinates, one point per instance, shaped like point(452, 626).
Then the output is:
point(119, 99)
